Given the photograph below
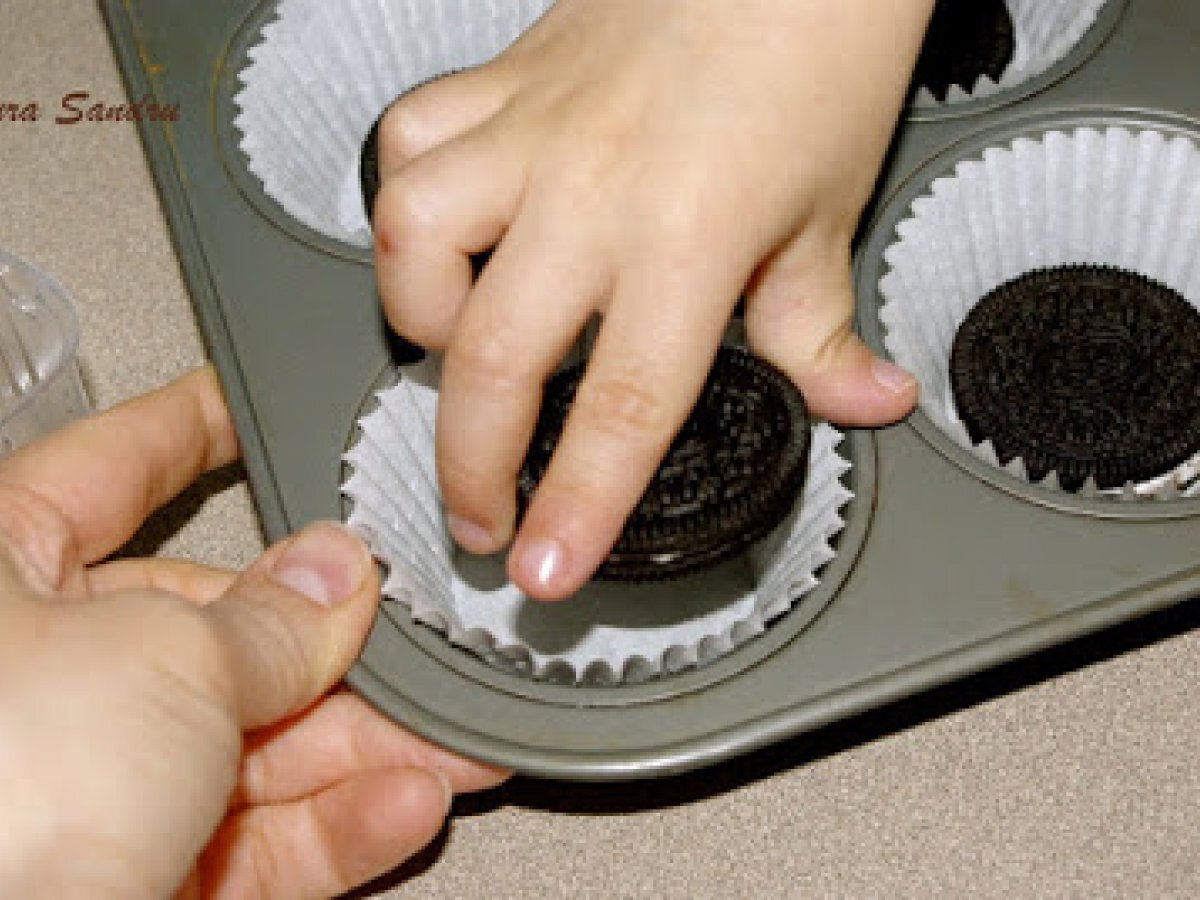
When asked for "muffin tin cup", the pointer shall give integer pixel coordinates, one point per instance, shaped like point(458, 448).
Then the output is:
point(1098, 187)
point(1052, 38)
point(308, 79)
point(609, 633)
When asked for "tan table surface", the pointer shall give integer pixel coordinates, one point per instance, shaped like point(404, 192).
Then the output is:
point(1080, 784)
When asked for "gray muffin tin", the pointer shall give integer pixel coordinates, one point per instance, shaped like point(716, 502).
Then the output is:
point(945, 567)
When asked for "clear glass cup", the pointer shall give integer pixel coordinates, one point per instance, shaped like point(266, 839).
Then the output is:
point(40, 385)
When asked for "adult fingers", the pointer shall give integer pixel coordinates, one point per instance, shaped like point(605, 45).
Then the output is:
point(80, 493)
point(292, 624)
point(327, 844)
point(339, 738)
point(647, 368)
point(195, 582)
point(431, 217)
point(21, 579)
point(799, 317)
point(534, 298)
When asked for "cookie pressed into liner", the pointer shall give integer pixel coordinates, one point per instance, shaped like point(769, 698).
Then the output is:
point(609, 633)
point(965, 41)
point(1115, 196)
point(321, 73)
point(975, 49)
point(1086, 371)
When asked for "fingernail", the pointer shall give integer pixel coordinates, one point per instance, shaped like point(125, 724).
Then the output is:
point(892, 377)
point(324, 562)
point(539, 562)
point(470, 536)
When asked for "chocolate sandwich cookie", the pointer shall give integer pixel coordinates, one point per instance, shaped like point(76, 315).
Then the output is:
point(732, 474)
point(368, 168)
point(965, 39)
point(1085, 371)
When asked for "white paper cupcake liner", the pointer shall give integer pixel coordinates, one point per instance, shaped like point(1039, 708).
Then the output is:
point(324, 72)
point(607, 633)
point(1044, 32)
point(1114, 197)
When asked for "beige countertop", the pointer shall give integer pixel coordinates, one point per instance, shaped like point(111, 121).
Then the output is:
point(1080, 781)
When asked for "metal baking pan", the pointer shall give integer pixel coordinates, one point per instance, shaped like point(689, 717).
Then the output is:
point(941, 572)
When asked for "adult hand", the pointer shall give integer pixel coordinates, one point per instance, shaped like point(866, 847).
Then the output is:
point(649, 162)
point(166, 726)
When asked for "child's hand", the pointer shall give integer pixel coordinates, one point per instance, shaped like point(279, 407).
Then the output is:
point(648, 161)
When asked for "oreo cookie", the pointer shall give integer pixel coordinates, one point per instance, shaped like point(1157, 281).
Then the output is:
point(1088, 372)
point(368, 168)
point(732, 474)
point(965, 39)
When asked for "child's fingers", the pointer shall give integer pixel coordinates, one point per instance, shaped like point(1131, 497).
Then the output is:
point(533, 299)
point(799, 318)
point(655, 347)
point(436, 112)
point(430, 218)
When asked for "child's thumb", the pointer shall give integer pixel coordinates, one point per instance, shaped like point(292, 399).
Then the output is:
point(803, 326)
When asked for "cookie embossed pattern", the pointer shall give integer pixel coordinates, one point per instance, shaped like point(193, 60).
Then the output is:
point(1105, 367)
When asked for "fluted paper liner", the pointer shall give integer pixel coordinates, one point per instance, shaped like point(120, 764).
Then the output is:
point(1044, 32)
point(608, 633)
point(323, 73)
point(1114, 197)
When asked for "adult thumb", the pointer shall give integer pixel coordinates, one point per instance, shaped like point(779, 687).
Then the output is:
point(799, 318)
point(294, 622)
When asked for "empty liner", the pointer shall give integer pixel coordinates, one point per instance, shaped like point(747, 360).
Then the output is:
point(1115, 197)
point(608, 633)
point(1044, 33)
point(323, 72)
